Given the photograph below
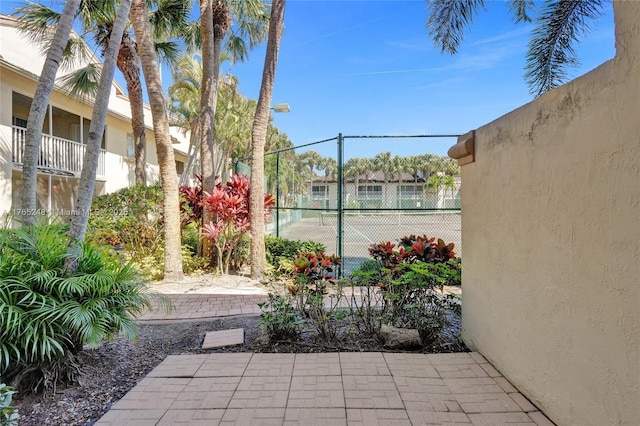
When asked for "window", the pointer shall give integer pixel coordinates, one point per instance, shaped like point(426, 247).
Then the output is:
point(19, 122)
point(179, 167)
point(318, 190)
point(131, 149)
point(370, 190)
point(410, 190)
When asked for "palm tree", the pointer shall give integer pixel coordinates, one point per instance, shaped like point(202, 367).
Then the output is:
point(166, 159)
point(217, 19)
point(97, 16)
point(434, 184)
point(86, 185)
point(449, 184)
point(354, 167)
point(258, 138)
point(559, 26)
point(383, 162)
point(39, 109)
point(184, 105)
point(330, 167)
point(368, 166)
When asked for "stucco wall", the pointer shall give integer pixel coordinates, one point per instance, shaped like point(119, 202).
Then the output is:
point(551, 236)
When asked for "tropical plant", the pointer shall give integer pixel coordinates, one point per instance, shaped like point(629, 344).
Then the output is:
point(281, 252)
point(279, 319)
point(39, 107)
point(48, 313)
point(166, 158)
point(8, 414)
point(413, 299)
point(411, 249)
point(228, 206)
point(130, 218)
point(259, 136)
point(560, 24)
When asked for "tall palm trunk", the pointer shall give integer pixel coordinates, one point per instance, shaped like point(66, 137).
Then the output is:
point(214, 17)
point(207, 105)
point(166, 158)
point(86, 185)
point(129, 64)
point(258, 139)
point(39, 110)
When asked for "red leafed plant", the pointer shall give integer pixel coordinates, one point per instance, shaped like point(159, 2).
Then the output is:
point(191, 203)
point(412, 249)
point(229, 208)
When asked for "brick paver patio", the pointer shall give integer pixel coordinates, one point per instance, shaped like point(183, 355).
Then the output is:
point(371, 388)
point(324, 389)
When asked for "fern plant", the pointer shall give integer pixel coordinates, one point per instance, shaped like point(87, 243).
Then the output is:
point(47, 314)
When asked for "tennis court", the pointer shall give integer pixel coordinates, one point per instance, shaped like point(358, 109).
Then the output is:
point(362, 229)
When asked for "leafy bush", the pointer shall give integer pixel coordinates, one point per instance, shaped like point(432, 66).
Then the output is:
point(8, 415)
point(368, 273)
point(47, 314)
point(281, 251)
point(279, 319)
point(130, 217)
point(412, 300)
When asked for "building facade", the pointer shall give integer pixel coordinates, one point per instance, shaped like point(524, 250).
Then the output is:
point(64, 133)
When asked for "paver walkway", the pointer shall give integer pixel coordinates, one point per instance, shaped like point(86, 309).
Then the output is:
point(198, 306)
point(324, 389)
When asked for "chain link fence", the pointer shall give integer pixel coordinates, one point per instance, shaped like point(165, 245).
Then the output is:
point(349, 192)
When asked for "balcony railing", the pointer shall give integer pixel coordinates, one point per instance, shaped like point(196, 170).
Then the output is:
point(56, 154)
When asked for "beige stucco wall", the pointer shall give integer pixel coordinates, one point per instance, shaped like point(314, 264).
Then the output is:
point(551, 236)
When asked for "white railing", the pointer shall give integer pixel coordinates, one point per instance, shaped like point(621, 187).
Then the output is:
point(56, 154)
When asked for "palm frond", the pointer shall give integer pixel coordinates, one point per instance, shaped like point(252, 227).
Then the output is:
point(76, 52)
point(448, 21)
point(560, 25)
point(192, 36)
point(520, 10)
point(83, 82)
point(169, 18)
point(36, 21)
point(167, 51)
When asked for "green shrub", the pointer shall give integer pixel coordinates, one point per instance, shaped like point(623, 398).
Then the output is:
point(131, 217)
point(279, 319)
point(281, 251)
point(47, 314)
point(150, 262)
point(8, 414)
point(368, 273)
point(412, 299)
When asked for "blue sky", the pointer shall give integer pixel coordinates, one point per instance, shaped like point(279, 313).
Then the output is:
point(367, 67)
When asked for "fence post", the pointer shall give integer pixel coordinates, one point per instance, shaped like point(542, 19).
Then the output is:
point(340, 206)
point(278, 194)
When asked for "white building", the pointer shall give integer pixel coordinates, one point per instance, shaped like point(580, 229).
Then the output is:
point(64, 133)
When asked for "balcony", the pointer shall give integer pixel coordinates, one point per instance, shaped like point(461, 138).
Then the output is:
point(57, 155)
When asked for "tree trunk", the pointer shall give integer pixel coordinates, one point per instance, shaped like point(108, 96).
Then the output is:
point(166, 158)
point(207, 105)
point(87, 182)
point(129, 64)
point(213, 28)
point(38, 111)
point(258, 139)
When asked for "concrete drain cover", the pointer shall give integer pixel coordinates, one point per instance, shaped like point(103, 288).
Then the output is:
point(218, 339)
